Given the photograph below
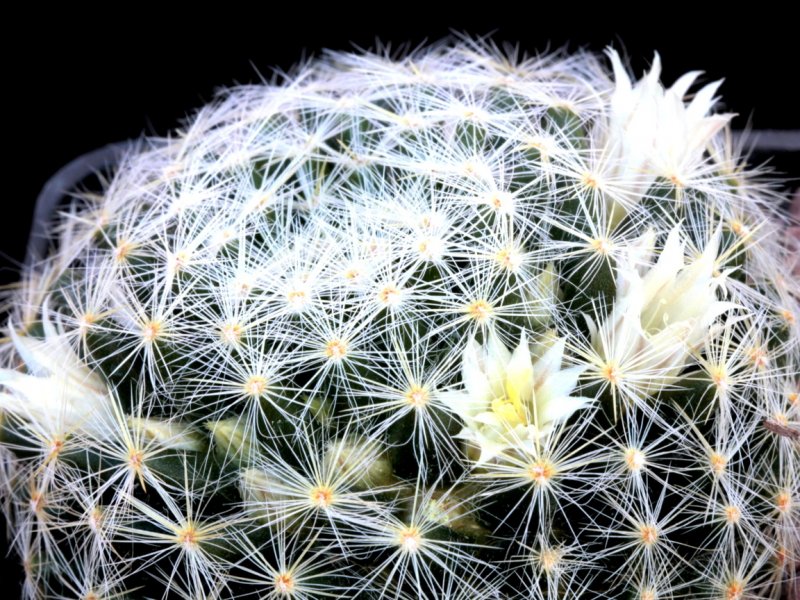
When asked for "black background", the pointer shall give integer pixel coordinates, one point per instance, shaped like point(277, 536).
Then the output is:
point(72, 85)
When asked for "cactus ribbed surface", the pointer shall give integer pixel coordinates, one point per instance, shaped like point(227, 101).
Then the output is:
point(454, 324)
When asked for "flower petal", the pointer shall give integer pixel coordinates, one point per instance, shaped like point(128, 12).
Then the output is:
point(519, 374)
point(473, 375)
point(560, 409)
point(496, 357)
point(550, 362)
point(463, 404)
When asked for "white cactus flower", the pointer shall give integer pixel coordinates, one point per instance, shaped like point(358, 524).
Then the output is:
point(510, 400)
point(60, 393)
point(650, 133)
point(661, 313)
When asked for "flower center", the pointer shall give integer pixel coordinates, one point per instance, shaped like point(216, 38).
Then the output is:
point(95, 519)
point(56, 445)
point(123, 250)
point(510, 411)
point(759, 358)
point(352, 274)
point(37, 502)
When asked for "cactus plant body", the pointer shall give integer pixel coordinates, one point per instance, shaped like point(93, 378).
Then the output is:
point(455, 324)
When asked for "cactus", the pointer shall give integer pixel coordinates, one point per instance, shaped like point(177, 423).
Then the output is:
point(450, 325)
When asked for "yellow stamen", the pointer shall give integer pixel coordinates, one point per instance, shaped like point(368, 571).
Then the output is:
point(95, 518)
point(759, 358)
point(181, 260)
point(720, 378)
point(352, 274)
point(508, 258)
point(86, 321)
point(37, 502)
point(739, 228)
point(136, 463)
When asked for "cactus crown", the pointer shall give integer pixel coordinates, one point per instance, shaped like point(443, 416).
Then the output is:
point(449, 325)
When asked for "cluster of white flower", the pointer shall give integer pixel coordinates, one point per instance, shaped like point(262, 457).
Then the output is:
point(452, 325)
